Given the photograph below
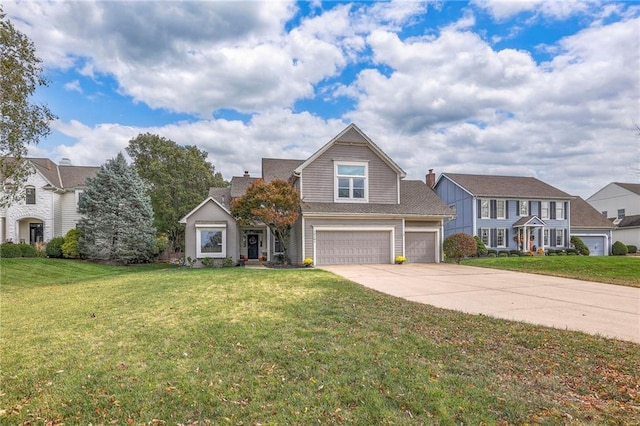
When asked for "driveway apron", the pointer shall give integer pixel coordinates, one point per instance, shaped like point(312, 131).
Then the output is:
point(594, 308)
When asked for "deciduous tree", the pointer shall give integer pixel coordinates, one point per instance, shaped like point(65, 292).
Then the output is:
point(275, 203)
point(457, 246)
point(179, 178)
point(22, 122)
point(118, 218)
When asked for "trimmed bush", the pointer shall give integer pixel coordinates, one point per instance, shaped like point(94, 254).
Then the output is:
point(492, 251)
point(581, 247)
point(512, 252)
point(572, 251)
point(482, 249)
point(54, 247)
point(26, 250)
point(459, 245)
point(491, 255)
point(9, 250)
point(503, 254)
point(631, 249)
point(619, 249)
point(70, 248)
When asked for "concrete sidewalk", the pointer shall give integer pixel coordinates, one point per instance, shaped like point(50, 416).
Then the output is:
point(602, 309)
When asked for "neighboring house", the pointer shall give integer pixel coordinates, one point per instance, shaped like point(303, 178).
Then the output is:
point(49, 208)
point(356, 207)
point(591, 227)
point(507, 212)
point(620, 203)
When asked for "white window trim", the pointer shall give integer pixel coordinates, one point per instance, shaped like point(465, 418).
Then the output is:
point(482, 215)
point(560, 232)
point(35, 195)
point(545, 237)
point(336, 177)
point(211, 227)
point(504, 209)
point(526, 204)
point(560, 213)
point(488, 242)
point(504, 237)
point(542, 209)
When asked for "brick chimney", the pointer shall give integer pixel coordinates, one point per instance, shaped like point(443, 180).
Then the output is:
point(246, 173)
point(431, 179)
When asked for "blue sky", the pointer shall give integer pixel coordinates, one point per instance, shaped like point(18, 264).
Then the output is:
point(549, 89)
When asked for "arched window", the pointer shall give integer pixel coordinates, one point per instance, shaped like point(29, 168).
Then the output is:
point(30, 195)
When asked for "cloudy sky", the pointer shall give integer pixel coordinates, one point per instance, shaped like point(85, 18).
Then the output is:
point(549, 89)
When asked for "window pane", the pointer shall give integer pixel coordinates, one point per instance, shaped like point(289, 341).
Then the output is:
point(211, 241)
point(358, 183)
point(30, 196)
point(344, 170)
point(358, 193)
point(500, 237)
point(343, 188)
point(484, 207)
point(500, 209)
point(524, 208)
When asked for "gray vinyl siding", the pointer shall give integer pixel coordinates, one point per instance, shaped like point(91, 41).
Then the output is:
point(347, 223)
point(211, 212)
point(318, 177)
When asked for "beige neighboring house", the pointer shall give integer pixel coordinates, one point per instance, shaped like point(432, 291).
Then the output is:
point(620, 203)
point(49, 208)
point(356, 208)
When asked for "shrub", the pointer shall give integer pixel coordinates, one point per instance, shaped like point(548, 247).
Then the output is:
point(26, 250)
point(459, 245)
point(503, 254)
point(514, 252)
point(571, 251)
point(9, 250)
point(309, 261)
point(481, 248)
point(492, 251)
point(399, 260)
point(619, 249)
point(70, 248)
point(632, 249)
point(491, 255)
point(54, 247)
point(581, 247)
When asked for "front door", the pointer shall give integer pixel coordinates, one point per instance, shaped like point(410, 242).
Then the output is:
point(252, 246)
point(36, 233)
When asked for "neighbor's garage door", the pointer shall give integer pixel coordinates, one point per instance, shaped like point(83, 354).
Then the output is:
point(353, 247)
point(596, 245)
point(420, 247)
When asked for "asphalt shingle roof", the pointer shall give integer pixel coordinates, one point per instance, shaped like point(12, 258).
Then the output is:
point(629, 221)
point(239, 185)
point(633, 187)
point(64, 176)
point(583, 215)
point(506, 186)
point(274, 168)
point(221, 195)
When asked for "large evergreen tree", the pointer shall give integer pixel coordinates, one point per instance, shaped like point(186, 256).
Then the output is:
point(118, 217)
point(179, 178)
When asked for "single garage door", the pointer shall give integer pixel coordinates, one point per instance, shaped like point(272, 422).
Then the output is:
point(353, 247)
point(420, 247)
point(596, 245)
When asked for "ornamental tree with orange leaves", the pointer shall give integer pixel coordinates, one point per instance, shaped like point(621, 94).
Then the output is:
point(275, 203)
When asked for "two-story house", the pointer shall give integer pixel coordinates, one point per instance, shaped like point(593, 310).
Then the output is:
point(356, 207)
point(49, 208)
point(620, 203)
point(507, 212)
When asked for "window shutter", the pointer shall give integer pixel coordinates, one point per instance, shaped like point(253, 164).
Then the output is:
point(539, 208)
point(552, 210)
point(530, 208)
point(494, 237)
point(506, 238)
point(493, 209)
point(479, 208)
point(552, 237)
point(566, 210)
point(506, 209)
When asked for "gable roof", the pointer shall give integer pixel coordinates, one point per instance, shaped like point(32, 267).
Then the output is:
point(583, 215)
point(353, 135)
point(416, 199)
point(222, 195)
point(529, 221)
point(64, 177)
point(199, 206)
point(632, 187)
point(505, 186)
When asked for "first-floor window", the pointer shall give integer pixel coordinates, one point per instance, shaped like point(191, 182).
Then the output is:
point(559, 237)
point(211, 241)
point(501, 237)
point(545, 237)
point(484, 235)
point(277, 245)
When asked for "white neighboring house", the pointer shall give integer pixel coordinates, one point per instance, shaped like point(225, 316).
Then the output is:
point(620, 203)
point(50, 206)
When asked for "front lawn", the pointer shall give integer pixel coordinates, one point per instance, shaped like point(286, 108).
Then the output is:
point(621, 270)
point(85, 343)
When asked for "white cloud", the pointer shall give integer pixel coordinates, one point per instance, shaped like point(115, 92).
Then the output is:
point(555, 9)
point(73, 86)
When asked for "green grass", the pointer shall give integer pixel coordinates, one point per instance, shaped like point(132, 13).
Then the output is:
point(84, 343)
point(621, 270)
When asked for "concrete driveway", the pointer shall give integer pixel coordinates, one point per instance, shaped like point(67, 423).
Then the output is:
point(603, 309)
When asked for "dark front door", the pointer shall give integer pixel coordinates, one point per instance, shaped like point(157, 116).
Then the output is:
point(252, 246)
point(36, 233)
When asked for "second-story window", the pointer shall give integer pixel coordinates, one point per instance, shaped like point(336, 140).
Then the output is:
point(544, 210)
point(500, 209)
point(523, 208)
point(559, 210)
point(351, 182)
point(484, 209)
point(30, 195)
point(620, 213)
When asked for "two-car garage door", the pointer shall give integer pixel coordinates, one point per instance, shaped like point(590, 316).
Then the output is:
point(362, 247)
point(353, 247)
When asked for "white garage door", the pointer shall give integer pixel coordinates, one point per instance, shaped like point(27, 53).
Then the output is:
point(420, 247)
point(596, 245)
point(353, 247)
